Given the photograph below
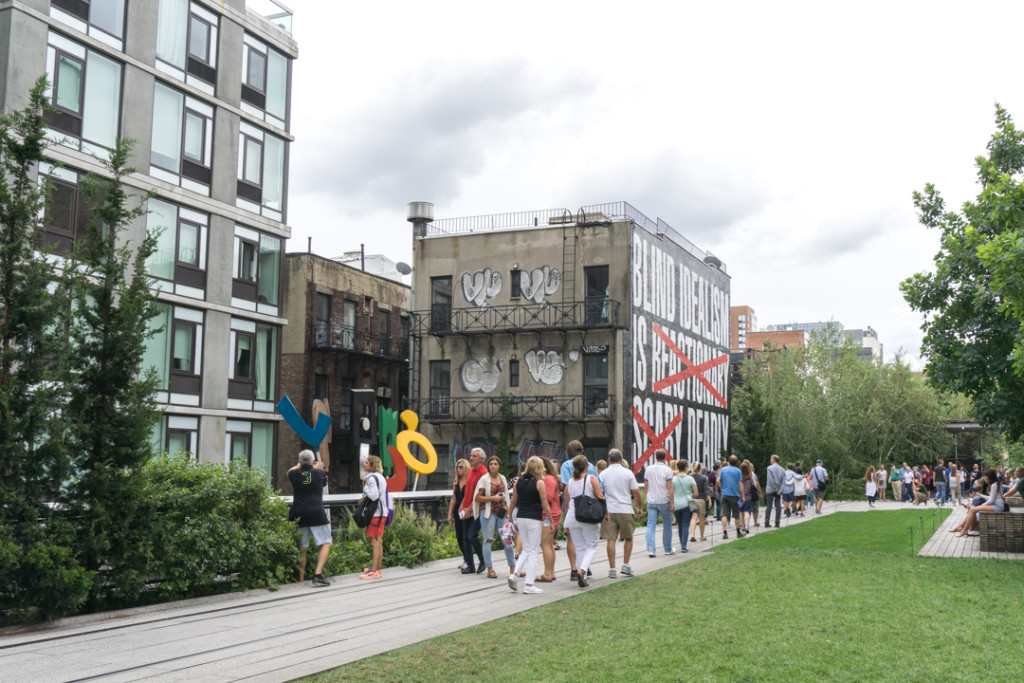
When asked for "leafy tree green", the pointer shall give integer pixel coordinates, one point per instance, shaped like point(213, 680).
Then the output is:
point(39, 575)
point(971, 303)
point(823, 401)
point(110, 409)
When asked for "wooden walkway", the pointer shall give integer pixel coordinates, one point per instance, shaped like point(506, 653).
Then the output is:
point(946, 544)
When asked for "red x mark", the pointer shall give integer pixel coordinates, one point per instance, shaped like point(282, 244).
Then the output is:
point(691, 369)
point(656, 441)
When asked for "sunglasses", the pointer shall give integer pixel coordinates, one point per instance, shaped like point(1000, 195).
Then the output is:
point(459, 467)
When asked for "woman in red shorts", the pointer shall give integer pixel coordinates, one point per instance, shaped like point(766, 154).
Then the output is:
point(376, 488)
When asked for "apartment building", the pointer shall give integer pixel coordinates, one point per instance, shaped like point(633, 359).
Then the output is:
point(600, 324)
point(203, 87)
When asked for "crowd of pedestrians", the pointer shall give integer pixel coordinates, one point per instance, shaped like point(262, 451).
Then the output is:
point(526, 512)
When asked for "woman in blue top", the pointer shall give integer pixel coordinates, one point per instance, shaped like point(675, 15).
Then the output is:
point(684, 489)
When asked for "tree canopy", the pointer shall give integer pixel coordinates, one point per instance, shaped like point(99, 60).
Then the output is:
point(973, 303)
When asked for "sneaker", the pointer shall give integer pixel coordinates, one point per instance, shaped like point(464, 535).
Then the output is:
point(611, 573)
point(788, 513)
point(683, 550)
point(573, 575)
point(371, 575)
point(319, 580)
point(652, 554)
point(973, 533)
point(512, 584)
point(725, 535)
point(589, 573)
point(627, 570)
point(670, 552)
point(532, 590)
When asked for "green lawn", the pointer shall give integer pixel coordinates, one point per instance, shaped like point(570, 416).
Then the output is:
point(838, 598)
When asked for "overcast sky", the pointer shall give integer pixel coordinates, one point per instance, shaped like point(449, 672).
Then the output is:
point(786, 138)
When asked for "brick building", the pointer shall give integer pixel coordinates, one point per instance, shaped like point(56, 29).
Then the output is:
point(348, 329)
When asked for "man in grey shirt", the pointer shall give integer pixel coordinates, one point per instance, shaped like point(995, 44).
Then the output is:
point(773, 492)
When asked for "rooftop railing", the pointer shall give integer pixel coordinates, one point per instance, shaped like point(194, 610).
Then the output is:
point(586, 215)
point(573, 315)
point(273, 11)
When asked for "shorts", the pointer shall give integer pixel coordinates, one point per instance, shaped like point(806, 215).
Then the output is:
point(375, 529)
point(620, 525)
point(747, 506)
point(788, 497)
point(321, 535)
point(702, 507)
point(800, 499)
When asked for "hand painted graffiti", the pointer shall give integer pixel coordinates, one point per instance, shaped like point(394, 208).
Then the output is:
point(545, 366)
point(539, 283)
point(480, 286)
point(481, 374)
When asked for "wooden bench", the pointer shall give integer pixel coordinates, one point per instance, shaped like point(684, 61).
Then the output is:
point(1001, 532)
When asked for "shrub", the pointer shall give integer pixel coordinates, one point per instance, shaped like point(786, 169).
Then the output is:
point(411, 539)
point(199, 529)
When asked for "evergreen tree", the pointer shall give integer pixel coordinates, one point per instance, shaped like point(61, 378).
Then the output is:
point(39, 576)
point(110, 408)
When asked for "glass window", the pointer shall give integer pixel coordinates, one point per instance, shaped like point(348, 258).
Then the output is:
point(243, 357)
point(177, 442)
point(441, 303)
point(186, 39)
point(320, 385)
point(261, 455)
point(595, 384)
point(179, 243)
point(102, 100)
point(199, 39)
point(247, 265)
point(273, 173)
point(188, 243)
point(517, 284)
point(440, 387)
point(256, 75)
point(323, 318)
point(168, 106)
point(597, 294)
point(184, 343)
point(240, 448)
point(348, 330)
point(266, 361)
point(60, 209)
point(158, 347)
point(68, 84)
point(513, 373)
point(253, 161)
point(195, 136)
point(269, 273)
point(277, 84)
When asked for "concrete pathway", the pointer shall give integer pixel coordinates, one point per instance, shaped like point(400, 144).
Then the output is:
point(298, 630)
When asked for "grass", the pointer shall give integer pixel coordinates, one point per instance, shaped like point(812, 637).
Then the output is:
point(839, 598)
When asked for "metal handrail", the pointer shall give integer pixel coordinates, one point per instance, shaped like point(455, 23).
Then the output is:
point(568, 408)
point(596, 312)
point(546, 218)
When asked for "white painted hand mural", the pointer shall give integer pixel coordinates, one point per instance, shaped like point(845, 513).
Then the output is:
point(480, 286)
point(546, 367)
point(481, 374)
point(539, 283)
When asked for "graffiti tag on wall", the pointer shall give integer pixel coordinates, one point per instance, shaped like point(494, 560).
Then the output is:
point(481, 374)
point(479, 287)
point(539, 283)
point(546, 366)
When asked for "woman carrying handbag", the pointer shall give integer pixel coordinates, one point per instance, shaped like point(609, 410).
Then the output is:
point(583, 488)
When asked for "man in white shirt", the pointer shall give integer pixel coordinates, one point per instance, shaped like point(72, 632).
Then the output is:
point(622, 494)
point(660, 496)
point(819, 479)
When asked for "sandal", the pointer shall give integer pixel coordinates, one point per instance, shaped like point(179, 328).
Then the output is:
point(491, 574)
point(542, 579)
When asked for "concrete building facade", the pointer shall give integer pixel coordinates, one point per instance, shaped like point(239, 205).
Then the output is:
point(203, 87)
point(348, 329)
point(601, 325)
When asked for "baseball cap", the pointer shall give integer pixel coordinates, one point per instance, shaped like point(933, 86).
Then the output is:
point(819, 462)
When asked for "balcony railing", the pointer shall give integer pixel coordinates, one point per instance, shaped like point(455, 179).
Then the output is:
point(344, 338)
point(575, 408)
point(576, 315)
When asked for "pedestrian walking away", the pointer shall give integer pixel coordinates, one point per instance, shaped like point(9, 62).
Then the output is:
point(584, 534)
point(530, 502)
point(622, 496)
point(658, 487)
point(819, 480)
point(774, 478)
